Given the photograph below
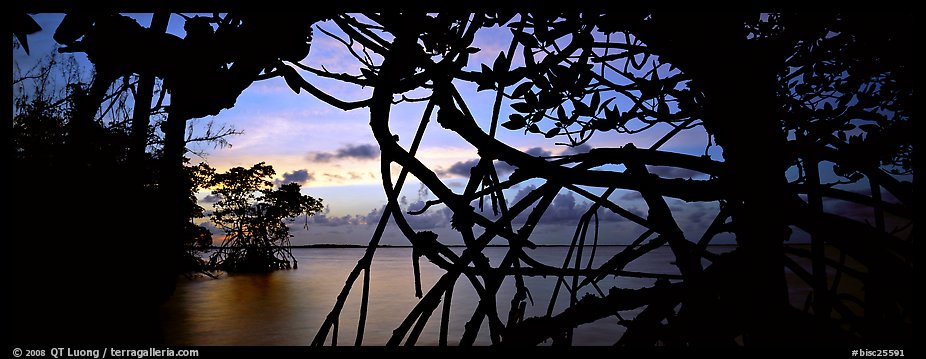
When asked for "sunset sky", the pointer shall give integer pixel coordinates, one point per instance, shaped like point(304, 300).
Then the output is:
point(334, 156)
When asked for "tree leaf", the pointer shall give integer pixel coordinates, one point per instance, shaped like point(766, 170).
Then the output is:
point(536, 116)
point(663, 107)
point(542, 82)
point(500, 65)
point(531, 99)
point(515, 121)
point(521, 89)
point(552, 132)
point(293, 80)
point(511, 77)
point(596, 99)
point(549, 99)
point(581, 108)
point(533, 128)
point(522, 107)
point(561, 114)
point(525, 39)
point(604, 105)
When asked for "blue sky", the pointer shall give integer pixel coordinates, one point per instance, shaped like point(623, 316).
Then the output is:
point(335, 157)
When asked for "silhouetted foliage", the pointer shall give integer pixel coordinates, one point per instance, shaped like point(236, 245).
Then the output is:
point(786, 97)
point(204, 72)
point(780, 94)
point(254, 217)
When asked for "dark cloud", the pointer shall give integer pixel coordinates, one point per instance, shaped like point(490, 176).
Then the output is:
point(576, 150)
point(463, 168)
point(322, 157)
point(325, 219)
point(503, 168)
point(423, 192)
point(299, 176)
point(674, 172)
point(564, 209)
point(367, 151)
point(212, 228)
point(212, 198)
point(521, 194)
point(334, 176)
point(359, 152)
point(434, 217)
point(538, 152)
point(696, 216)
point(632, 196)
point(455, 184)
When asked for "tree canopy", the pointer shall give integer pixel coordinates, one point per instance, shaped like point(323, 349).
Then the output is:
point(254, 215)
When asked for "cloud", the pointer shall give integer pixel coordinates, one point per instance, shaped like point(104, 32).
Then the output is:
point(503, 168)
point(583, 148)
point(299, 176)
point(563, 209)
point(463, 168)
point(632, 196)
point(538, 152)
point(212, 198)
point(434, 217)
point(359, 152)
point(212, 228)
point(674, 172)
point(324, 219)
point(521, 194)
point(696, 216)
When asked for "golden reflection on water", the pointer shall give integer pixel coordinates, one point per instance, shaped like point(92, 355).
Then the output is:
point(287, 307)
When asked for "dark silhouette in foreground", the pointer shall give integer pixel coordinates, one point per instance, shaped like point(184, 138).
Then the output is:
point(94, 260)
point(780, 94)
point(785, 96)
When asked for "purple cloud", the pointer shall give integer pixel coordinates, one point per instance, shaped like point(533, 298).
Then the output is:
point(359, 152)
point(583, 148)
point(299, 176)
point(674, 172)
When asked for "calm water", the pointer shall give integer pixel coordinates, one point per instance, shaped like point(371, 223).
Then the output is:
point(288, 307)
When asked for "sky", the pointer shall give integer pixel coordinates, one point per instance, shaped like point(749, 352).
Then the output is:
point(334, 156)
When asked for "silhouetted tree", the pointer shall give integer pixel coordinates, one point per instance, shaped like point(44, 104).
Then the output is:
point(204, 72)
point(106, 207)
point(778, 93)
point(253, 215)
